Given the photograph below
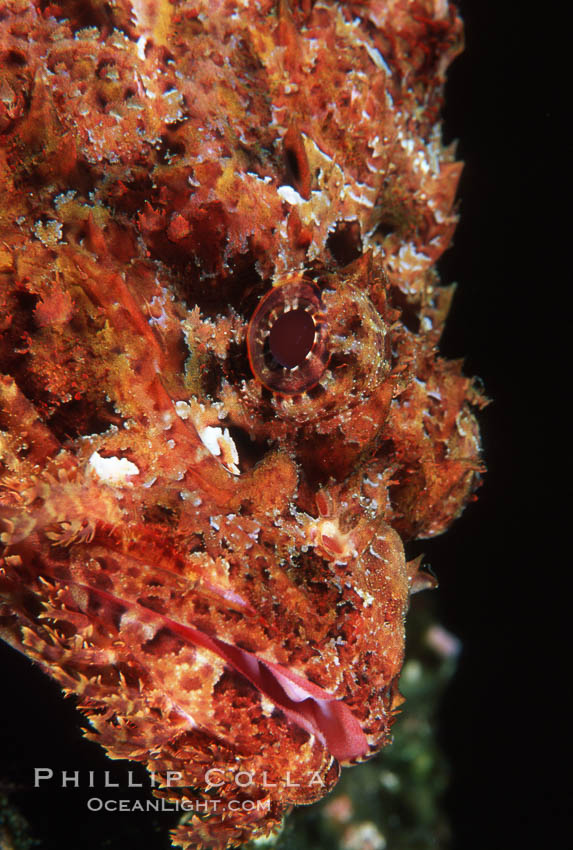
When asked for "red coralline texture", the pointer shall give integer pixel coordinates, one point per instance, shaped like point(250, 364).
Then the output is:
point(202, 523)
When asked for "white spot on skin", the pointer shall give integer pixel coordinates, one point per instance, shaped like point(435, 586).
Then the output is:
point(141, 42)
point(112, 470)
point(255, 176)
point(220, 444)
point(426, 324)
point(377, 58)
point(408, 145)
point(366, 597)
point(290, 195)
point(182, 409)
point(420, 163)
point(267, 705)
point(410, 260)
point(210, 438)
point(360, 199)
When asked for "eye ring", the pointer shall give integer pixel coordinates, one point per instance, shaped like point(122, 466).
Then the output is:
point(287, 338)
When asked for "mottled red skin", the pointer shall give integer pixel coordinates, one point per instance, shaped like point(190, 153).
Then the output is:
point(162, 170)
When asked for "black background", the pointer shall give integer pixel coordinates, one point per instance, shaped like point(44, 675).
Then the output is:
point(500, 576)
point(497, 580)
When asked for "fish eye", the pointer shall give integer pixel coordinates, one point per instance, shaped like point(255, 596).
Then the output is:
point(287, 338)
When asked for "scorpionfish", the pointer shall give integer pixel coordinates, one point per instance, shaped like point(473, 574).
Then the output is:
point(223, 413)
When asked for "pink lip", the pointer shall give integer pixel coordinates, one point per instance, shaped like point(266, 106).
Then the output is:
point(304, 703)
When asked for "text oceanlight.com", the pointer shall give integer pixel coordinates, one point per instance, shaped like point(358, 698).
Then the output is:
point(97, 804)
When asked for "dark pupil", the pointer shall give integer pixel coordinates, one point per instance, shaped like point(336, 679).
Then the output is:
point(291, 337)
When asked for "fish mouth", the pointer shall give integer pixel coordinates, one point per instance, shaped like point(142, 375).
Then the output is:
point(303, 703)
